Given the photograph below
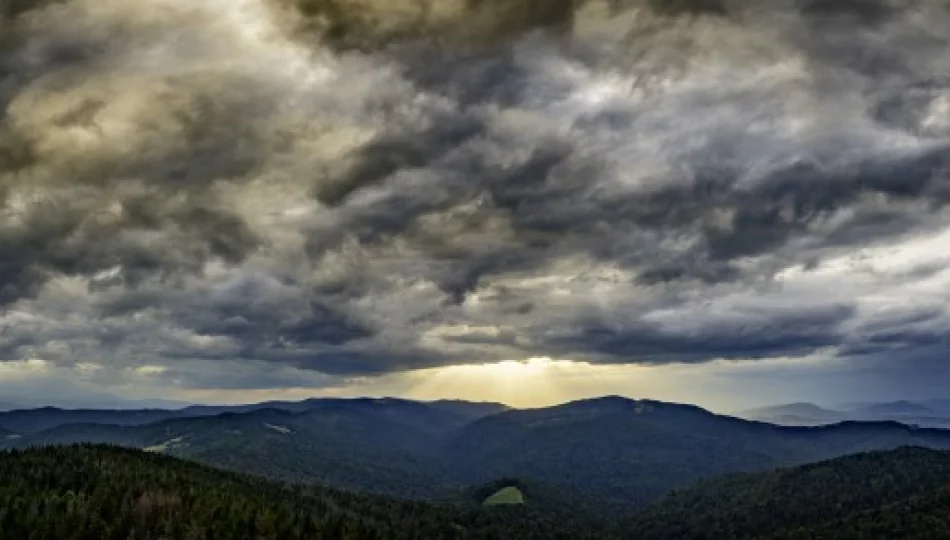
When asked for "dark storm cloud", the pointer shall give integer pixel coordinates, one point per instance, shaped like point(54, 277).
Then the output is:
point(88, 208)
point(779, 334)
point(361, 187)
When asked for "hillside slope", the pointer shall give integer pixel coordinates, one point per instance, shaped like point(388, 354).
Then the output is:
point(628, 451)
point(107, 493)
point(383, 446)
point(904, 493)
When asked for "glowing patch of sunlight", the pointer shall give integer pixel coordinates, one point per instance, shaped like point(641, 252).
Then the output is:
point(29, 366)
point(151, 370)
point(530, 383)
point(87, 367)
point(511, 369)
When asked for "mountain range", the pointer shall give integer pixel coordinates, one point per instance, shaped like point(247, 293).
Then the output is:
point(929, 413)
point(608, 454)
point(31, 421)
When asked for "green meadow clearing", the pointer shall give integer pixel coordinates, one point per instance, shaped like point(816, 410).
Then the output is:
point(508, 495)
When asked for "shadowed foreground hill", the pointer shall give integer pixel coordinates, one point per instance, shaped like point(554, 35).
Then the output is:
point(108, 493)
point(903, 493)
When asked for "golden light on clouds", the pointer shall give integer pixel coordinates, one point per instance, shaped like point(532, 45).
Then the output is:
point(534, 382)
point(529, 383)
point(539, 382)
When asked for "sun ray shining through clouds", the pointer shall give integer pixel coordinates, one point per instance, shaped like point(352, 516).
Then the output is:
point(529, 383)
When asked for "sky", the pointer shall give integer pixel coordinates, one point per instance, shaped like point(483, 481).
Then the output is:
point(722, 202)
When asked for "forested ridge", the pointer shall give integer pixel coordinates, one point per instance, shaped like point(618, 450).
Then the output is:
point(102, 492)
point(903, 493)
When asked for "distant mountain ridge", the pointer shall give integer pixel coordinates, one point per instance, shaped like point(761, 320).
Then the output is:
point(30, 421)
point(794, 414)
point(931, 413)
point(612, 452)
point(905, 408)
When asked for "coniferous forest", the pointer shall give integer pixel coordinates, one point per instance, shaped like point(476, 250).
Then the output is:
point(904, 493)
point(93, 492)
point(103, 492)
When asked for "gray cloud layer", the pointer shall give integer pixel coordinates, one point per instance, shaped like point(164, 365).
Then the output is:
point(361, 187)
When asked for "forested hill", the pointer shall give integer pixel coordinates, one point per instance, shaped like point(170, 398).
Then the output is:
point(105, 493)
point(903, 493)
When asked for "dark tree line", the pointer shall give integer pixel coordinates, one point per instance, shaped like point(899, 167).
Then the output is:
point(103, 492)
point(899, 494)
point(107, 493)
